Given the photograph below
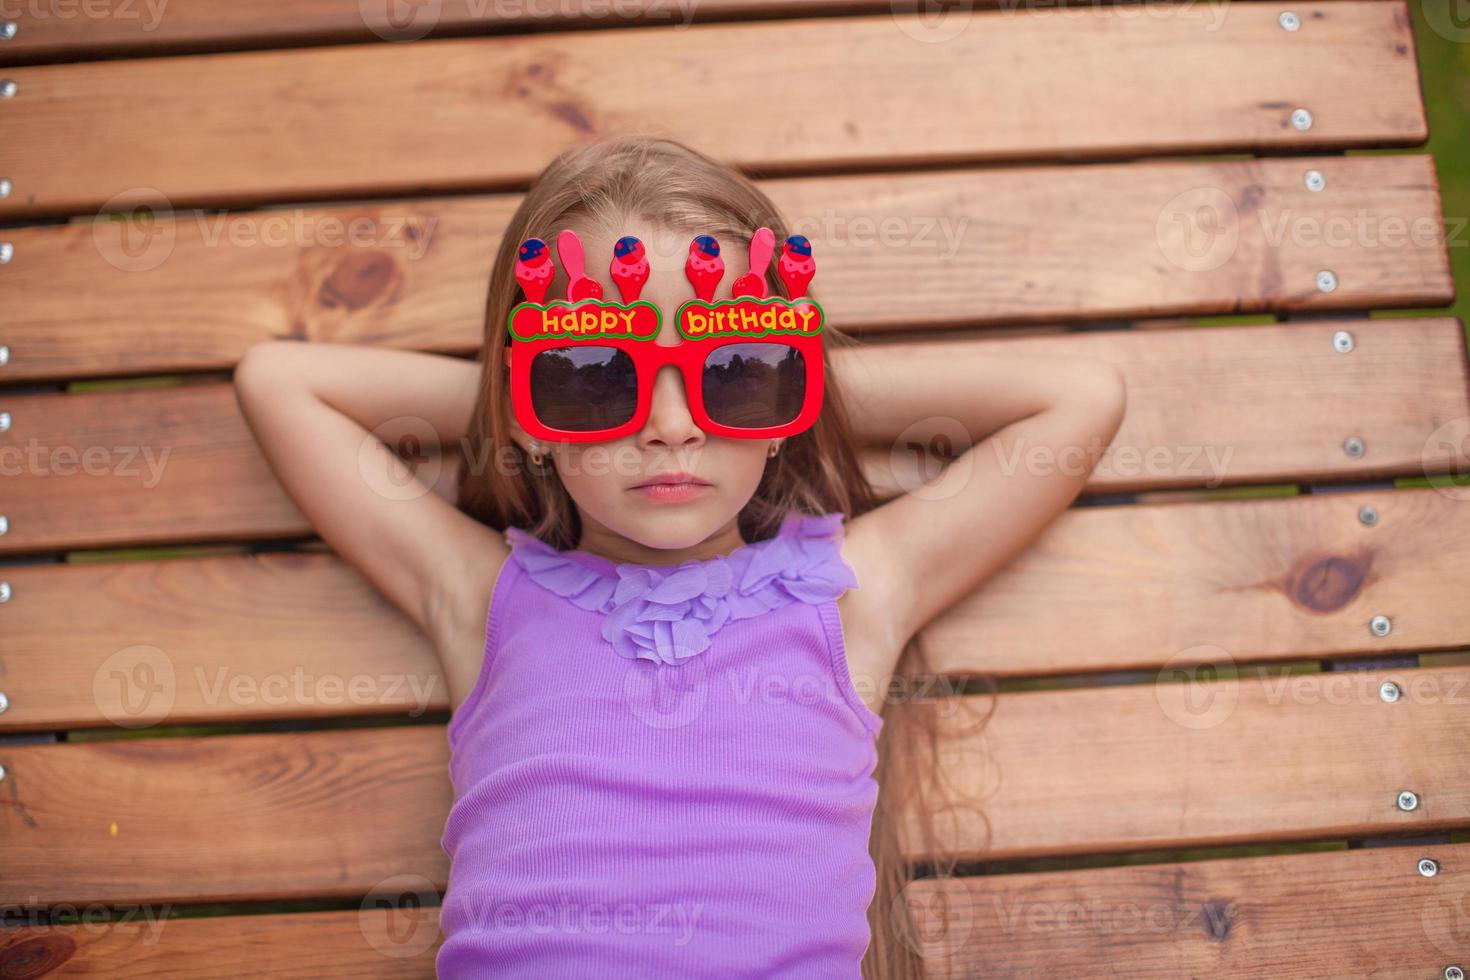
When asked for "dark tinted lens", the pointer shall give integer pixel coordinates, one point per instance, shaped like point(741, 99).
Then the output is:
point(583, 388)
point(755, 385)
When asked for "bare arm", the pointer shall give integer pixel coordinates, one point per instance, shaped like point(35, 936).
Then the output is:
point(1036, 427)
point(320, 412)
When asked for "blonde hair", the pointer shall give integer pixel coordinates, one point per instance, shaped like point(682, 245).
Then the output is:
point(672, 185)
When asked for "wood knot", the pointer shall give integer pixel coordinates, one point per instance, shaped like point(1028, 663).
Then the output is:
point(35, 955)
point(358, 279)
point(1327, 584)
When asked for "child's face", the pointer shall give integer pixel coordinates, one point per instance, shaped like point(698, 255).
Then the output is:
point(602, 476)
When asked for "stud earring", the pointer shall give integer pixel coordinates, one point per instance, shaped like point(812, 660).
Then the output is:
point(775, 448)
point(537, 456)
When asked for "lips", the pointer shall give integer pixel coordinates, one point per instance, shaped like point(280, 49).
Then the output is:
point(673, 479)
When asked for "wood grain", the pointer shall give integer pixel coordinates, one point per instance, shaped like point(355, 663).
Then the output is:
point(190, 290)
point(1354, 913)
point(192, 25)
point(1259, 917)
point(1229, 584)
point(488, 113)
point(1207, 408)
point(395, 941)
point(1164, 765)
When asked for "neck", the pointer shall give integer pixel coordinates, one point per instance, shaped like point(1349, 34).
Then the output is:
point(605, 543)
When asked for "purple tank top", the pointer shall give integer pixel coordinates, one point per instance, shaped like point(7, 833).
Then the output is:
point(663, 770)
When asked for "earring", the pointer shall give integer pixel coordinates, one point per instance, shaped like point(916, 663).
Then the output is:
point(775, 448)
point(537, 456)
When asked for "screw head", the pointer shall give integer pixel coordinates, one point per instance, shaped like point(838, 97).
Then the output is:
point(1289, 21)
point(1389, 692)
point(4, 703)
point(5, 187)
point(1453, 973)
point(4, 421)
point(1314, 180)
point(4, 524)
point(2, 772)
point(1407, 801)
point(1380, 625)
point(1428, 867)
point(8, 30)
point(4, 355)
point(1326, 281)
point(8, 88)
point(1353, 446)
point(1368, 515)
point(1342, 341)
point(7, 252)
point(1301, 119)
point(4, 591)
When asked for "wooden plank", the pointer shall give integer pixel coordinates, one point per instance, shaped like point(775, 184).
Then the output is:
point(1255, 917)
point(201, 25)
point(224, 818)
point(194, 25)
point(1062, 772)
point(1191, 760)
point(1007, 245)
point(1223, 582)
point(217, 639)
point(1354, 913)
point(229, 639)
point(488, 113)
point(397, 941)
point(131, 467)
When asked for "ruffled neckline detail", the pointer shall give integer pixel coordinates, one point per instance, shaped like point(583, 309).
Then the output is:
point(669, 613)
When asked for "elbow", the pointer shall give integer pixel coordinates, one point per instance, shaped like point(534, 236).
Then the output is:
point(1106, 393)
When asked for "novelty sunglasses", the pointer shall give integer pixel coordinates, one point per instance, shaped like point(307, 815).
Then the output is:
point(582, 369)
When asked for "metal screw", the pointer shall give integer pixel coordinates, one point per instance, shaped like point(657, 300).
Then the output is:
point(4, 524)
point(8, 88)
point(1407, 801)
point(4, 355)
point(1389, 692)
point(1368, 515)
point(4, 591)
point(1301, 119)
point(1326, 281)
point(1353, 446)
point(1380, 625)
point(7, 252)
point(1453, 973)
point(1314, 180)
point(1289, 21)
point(1342, 341)
point(4, 702)
point(8, 30)
point(2, 772)
point(4, 421)
point(4, 186)
point(1428, 867)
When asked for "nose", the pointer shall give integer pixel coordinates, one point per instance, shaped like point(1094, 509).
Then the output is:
point(670, 424)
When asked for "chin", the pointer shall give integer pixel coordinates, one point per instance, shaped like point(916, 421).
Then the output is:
point(669, 527)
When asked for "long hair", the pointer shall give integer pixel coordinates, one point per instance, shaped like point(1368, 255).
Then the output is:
point(674, 186)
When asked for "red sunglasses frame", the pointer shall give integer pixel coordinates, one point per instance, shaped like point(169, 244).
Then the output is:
point(649, 357)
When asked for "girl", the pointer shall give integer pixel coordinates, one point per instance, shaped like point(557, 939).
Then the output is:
point(670, 655)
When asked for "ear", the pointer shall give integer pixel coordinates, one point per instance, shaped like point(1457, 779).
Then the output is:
point(505, 355)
